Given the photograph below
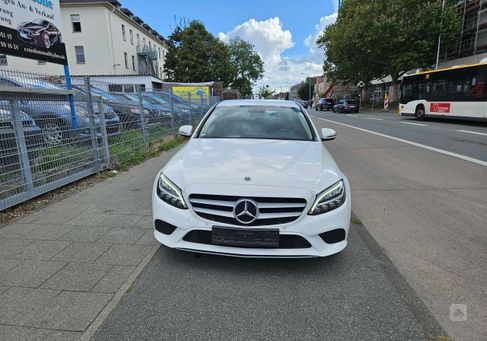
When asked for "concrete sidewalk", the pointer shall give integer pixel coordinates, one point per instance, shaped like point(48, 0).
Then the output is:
point(61, 265)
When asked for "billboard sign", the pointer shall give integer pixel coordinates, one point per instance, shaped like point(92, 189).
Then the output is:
point(197, 92)
point(31, 29)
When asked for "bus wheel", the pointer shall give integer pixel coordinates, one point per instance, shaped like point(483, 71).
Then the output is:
point(420, 113)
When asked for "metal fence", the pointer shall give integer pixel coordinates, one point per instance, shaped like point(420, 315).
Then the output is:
point(50, 136)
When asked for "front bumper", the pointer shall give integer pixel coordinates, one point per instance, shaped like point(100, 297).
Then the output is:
point(306, 226)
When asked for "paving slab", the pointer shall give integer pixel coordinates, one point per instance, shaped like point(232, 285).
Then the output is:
point(16, 231)
point(124, 255)
point(57, 335)
point(121, 220)
point(88, 219)
point(3, 288)
point(114, 279)
point(82, 252)
point(9, 247)
point(84, 233)
point(40, 250)
point(122, 236)
point(20, 304)
point(23, 333)
point(147, 238)
point(77, 277)
point(30, 274)
point(47, 232)
point(7, 264)
point(146, 222)
point(71, 311)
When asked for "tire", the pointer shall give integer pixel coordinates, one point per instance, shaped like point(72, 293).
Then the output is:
point(420, 113)
point(356, 111)
point(53, 132)
point(46, 41)
point(333, 109)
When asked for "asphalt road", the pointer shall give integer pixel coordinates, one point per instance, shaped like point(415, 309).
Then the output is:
point(462, 137)
point(356, 295)
point(426, 209)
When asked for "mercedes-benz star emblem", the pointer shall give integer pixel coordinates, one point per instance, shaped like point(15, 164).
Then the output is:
point(246, 211)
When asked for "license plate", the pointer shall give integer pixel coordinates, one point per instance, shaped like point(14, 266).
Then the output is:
point(245, 237)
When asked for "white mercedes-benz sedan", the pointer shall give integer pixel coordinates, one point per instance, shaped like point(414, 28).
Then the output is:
point(254, 180)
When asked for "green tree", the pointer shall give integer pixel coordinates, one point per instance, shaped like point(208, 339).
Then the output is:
point(247, 64)
point(194, 55)
point(305, 88)
point(265, 92)
point(376, 38)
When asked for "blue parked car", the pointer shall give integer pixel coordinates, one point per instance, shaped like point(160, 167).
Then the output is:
point(54, 117)
point(8, 142)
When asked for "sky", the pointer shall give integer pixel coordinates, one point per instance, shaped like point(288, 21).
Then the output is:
point(283, 32)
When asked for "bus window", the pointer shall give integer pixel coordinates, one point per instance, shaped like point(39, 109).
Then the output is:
point(439, 90)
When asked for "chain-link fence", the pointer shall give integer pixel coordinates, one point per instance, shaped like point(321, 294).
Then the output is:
point(51, 136)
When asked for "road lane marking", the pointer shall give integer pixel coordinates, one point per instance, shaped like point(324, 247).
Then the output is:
point(441, 151)
point(416, 124)
point(374, 118)
point(472, 132)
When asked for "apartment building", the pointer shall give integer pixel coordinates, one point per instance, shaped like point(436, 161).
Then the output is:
point(106, 41)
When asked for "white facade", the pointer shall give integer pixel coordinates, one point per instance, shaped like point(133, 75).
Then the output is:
point(107, 50)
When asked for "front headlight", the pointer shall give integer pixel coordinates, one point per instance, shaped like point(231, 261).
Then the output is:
point(170, 193)
point(79, 110)
point(328, 200)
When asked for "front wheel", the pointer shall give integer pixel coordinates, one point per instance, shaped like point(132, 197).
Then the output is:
point(46, 41)
point(420, 113)
point(52, 133)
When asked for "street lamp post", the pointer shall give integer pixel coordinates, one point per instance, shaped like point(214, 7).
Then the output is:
point(439, 36)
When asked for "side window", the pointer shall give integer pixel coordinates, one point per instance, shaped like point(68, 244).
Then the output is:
point(439, 90)
point(474, 88)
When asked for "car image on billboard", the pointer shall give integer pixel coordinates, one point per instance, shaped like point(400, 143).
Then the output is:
point(39, 32)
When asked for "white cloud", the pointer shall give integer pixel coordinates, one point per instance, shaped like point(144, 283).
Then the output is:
point(268, 36)
point(317, 53)
point(271, 40)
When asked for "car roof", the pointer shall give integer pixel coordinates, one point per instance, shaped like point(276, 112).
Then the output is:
point(257, 102)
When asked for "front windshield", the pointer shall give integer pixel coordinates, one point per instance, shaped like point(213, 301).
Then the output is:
point(257, 122)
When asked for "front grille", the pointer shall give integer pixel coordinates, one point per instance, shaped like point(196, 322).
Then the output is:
point(286, 241)
point(273, 211)
point(109, 115)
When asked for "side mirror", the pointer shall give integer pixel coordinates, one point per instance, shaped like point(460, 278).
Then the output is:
point(186, 131)
point(328, 134)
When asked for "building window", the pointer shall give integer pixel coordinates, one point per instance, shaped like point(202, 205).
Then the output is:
point(150, 46)
point(143, 42)
point(131, 33)
point(159, 49)
point(76, 23)
point(125, 56)
point(138, 40)
point(80, 54)
point(124, 36)
point(3, 59)
point(133, 63)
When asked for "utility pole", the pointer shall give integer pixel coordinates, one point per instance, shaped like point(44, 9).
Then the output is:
point(439, 36)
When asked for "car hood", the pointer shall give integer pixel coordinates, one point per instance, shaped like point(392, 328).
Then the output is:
point(298, 164)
